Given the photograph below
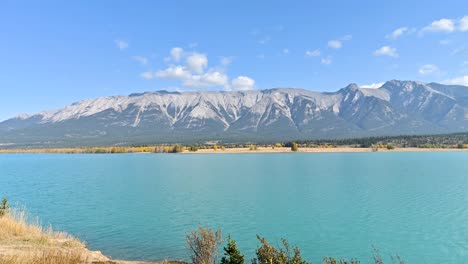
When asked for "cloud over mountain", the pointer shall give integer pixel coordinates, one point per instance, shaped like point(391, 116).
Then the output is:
point(196, 73)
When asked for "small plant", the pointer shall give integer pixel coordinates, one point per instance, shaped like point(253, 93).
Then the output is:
point(293, 257)
point(232, 255)
point(460, 146)
point(193, 148)
point(4, 207)
point(294, 147)
point(177, 149)
point(390, 147)
point(377, 257)
point(268, 254)
point(203, 244)
point(252, 147)
point(341, 261)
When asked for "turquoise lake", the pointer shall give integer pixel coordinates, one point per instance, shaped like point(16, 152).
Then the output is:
point(141, 206)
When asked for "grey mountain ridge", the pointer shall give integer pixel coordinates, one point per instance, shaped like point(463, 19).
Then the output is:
point(282, 114)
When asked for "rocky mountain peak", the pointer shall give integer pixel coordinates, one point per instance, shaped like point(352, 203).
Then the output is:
point(398, 107)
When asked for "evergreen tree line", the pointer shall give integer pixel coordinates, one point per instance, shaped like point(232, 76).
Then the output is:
point(425, 141)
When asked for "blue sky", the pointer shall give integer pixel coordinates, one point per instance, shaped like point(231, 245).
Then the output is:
point(53, 53)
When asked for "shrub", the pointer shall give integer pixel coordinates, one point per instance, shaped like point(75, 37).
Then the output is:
point(177, 149)
point(203, 244)
point(268, 254)
point(377, 257)
point(193, 148)
point(390, 147)
point(294, 147)
point(232, 255)
point(365, 145)
point(4, 207)
point(341, 261)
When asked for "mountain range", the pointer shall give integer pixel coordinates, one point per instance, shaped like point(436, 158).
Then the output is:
point(281, 114)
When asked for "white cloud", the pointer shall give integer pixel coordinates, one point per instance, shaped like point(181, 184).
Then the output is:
point(225, 61)
point(121, 44)
point(372, 85)
point(462, 80)
point(428, 69)
point(447, 25)
point(197, 62)
point(142, 60)
point(441, 25)
point(463, 24)
point(286, 51)
point(208, 79)
point(176, 53)
point(312, 53)
point(398, 33)
point(336, 44)
point(326, 61)
point(347, 37)
point(147, 75)
point(193, 73)
point(386, 51)
point(243, 83)
point(174, 73)
point(214, 78)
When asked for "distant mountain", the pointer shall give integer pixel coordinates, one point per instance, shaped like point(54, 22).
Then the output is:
point(398, 107)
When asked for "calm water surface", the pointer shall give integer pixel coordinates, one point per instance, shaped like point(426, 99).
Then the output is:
point(140, 206)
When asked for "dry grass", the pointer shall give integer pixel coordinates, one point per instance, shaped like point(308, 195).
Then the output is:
point(23, 241)
point(26, 242)
point(82, 150)
point(51, 256)
point(16, 229)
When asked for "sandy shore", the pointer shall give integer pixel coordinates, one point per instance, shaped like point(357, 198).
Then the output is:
point(317, 150)
point(150, 149)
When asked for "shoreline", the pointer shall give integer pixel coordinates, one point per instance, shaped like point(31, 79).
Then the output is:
point(262, 150)
point(259, 150)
